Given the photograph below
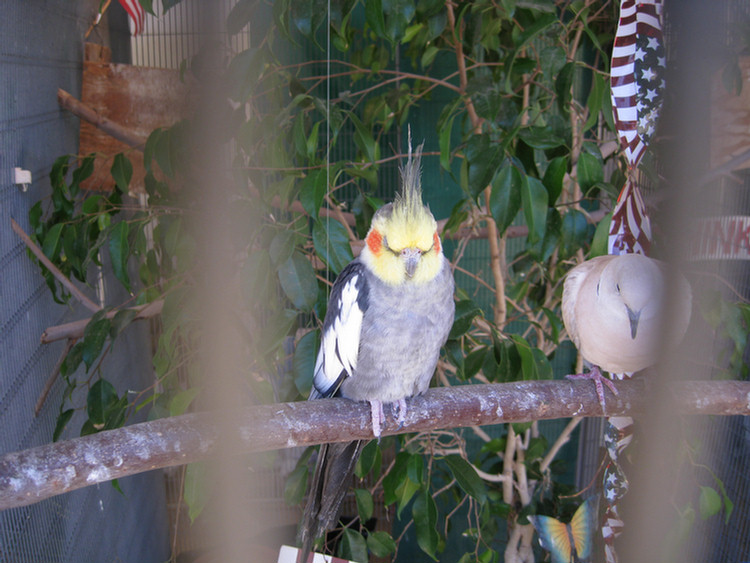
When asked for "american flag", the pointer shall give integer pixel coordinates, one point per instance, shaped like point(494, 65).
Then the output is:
point(637, 75)
point(637, 83)
point(136, 13)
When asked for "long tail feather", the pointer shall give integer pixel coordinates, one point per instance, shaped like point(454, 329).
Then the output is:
point(331, 480)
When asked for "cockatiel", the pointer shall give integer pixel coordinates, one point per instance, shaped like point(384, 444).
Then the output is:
point(614, 311)
point(389, 313)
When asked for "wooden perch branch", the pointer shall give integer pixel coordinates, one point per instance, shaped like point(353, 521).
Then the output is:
point(87, 113)
point(32, 475)
point(75, 329)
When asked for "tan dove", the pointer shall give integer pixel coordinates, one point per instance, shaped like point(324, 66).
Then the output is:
point(613, 309)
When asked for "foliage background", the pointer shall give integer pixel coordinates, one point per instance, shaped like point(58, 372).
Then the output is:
point(512, 100)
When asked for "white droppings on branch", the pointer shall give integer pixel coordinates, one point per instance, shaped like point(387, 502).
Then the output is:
point(98, 474)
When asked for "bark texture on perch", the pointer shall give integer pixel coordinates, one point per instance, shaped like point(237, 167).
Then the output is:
point(33, 475)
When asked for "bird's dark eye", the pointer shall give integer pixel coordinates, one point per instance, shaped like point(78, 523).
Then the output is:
point(617, 286)
point(385, 244)
point(597, 289)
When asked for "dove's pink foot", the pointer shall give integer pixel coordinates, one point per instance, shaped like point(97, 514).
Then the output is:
point(599, 380)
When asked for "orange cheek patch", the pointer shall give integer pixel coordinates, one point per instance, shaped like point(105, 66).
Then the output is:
point(436, 240)
point(375, 242)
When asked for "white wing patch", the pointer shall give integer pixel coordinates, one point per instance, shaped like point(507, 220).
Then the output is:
point(339, 347)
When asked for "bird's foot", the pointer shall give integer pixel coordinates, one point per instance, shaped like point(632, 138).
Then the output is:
point(399, 408)
point(378, 416)
point(599, 381)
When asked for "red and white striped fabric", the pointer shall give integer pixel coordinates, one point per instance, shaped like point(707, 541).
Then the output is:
point(630, 229)
point(136, 13)
point(636, 80)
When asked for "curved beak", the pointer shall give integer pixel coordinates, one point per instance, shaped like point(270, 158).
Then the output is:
point(634, 316)
point(411, 258)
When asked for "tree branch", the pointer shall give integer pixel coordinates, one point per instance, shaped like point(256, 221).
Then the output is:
point(87, 113)
point(32, 475)
point(59, 276)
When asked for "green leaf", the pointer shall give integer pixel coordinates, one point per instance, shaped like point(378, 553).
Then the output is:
point(445, 143)
point(119, 251)
point(467, 477)
point(296, 483)
point(94, 336)
point(534, 197)
point(563, 85)
point(534, 364)
point(313, 192)
point(396, 484)
point(353, 546)
point(163, 152)
point(121, 320)
point(282, 246)
point(424, 513)
point(709, 502)
point(122, 172)
point(574, 232)
point(367, 459)
point(84, 170)
point(62, 421)
point(505, 199)
point(72, 360)
point(551, 240)
point(150, 149)
point(466, 310)
point(101, 398)
point(554, 176)
point(331, 242)
point(179, 403)
point(474, 361)
point(590, 171)
point(482, 159)
point(256, 277)
point(599, 245)
point(381, 544)
point(58, 172)
point(540, 138)
point(304, 361)
point(298, 281)
point(535, 28)
point(364, 140)
point(365, 504)
point(599, 86)
point(375, 17)
point(52, 240)
point(195, 490)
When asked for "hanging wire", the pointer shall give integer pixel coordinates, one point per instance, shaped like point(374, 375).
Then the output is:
point(328, 127)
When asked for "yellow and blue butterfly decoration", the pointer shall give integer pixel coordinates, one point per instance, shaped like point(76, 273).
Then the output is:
point(568, 543)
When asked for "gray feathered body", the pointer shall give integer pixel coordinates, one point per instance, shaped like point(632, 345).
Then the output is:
point(403, 330)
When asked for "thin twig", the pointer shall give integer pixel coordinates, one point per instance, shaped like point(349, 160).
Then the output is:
point(562, 439)
point(53, 376)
